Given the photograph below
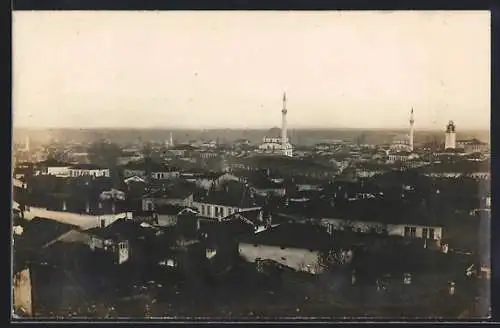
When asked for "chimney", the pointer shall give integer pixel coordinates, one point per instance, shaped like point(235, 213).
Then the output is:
point(87, 207)
point(113, 207)
point(64, 205)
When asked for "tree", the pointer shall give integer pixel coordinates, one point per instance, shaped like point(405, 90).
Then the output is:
point(334, 258)
point(57, 156)
point(106, 154)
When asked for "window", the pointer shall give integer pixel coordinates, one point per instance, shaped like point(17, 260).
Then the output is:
point(425, 233)
point(413, 232)
point(407, 232)
point(209, 210)
point(202, 209)
point(216, 211)
point(431, 233)
point(229, 211)
point(103, 223)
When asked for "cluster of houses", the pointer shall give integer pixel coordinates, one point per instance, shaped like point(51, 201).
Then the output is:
point(285, 210)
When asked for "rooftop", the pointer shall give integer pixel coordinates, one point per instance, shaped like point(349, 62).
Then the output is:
point(86, 167)
point(369, 210)
point(461, 166)
point(123, 229)
point(230, 194)
point(52, 163)
point(301, 236)
point(38, 232)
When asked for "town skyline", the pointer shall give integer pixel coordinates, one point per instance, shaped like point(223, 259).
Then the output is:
point(92, 71)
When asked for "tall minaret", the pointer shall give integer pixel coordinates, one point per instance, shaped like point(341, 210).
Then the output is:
point(171, 141)
point(27, 143)
point(412, 122)
point(283, 121)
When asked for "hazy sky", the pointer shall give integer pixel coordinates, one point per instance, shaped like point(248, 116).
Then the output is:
point(229, 69)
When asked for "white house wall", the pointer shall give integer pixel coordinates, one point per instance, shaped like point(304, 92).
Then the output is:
point(366, 227)
point(84, 172)
point(84, 221)
point(399, 230)
point(167, 220)
point(298, 259)
point(188, 201)
point(208, 210)
point(59, 171)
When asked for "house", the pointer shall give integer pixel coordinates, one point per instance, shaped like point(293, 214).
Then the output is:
point(472, 145)
point(180, 194)
point(230, 197)
point(263, 186)
point(134, 179)
point(182, 150)
point(368, 170)
point(92, 170)
point(150, 169)
point(213, 179)
point(323, 146)
point(122, 240)
point(53, 167)
point(78, 201)
point(39, 233)
point(21, 170)
point(297, 246)
point(457, 169)
point(307, 184)
point(402, 156)
point(374, 216)
point(162, 215)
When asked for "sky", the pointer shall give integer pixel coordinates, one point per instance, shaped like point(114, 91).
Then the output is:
point(229, 69)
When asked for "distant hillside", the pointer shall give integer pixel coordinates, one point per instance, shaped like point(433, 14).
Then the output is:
point(297, 136)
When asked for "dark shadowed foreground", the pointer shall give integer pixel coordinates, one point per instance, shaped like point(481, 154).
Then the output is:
point(240, 293)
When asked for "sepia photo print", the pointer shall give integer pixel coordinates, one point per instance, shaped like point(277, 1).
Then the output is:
point(251, 165)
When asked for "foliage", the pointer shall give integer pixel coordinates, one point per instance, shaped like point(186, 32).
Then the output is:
point(334, 258)
point(104, 153)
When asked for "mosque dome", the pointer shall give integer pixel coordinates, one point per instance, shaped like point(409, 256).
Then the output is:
point(274, 132)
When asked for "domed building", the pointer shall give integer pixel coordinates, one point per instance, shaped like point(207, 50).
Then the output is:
point(404, 143)
point(276, 141)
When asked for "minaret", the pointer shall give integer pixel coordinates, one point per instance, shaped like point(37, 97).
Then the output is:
point(450, 136)
point(412, 121)
point(283, 121)
point(27, 143)
point(171, 141)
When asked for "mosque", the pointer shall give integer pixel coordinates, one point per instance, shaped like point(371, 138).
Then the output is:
point(405, 143)
point(274, 143)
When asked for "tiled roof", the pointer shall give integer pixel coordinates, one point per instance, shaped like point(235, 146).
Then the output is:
point(123, 229)
point(472, 141)
point(86, 167)
point(371, 210)
point(303, 236)
point(231, 194)
point(52, 163)
point(40, 231)
point(462, 166)
point(169, 209)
